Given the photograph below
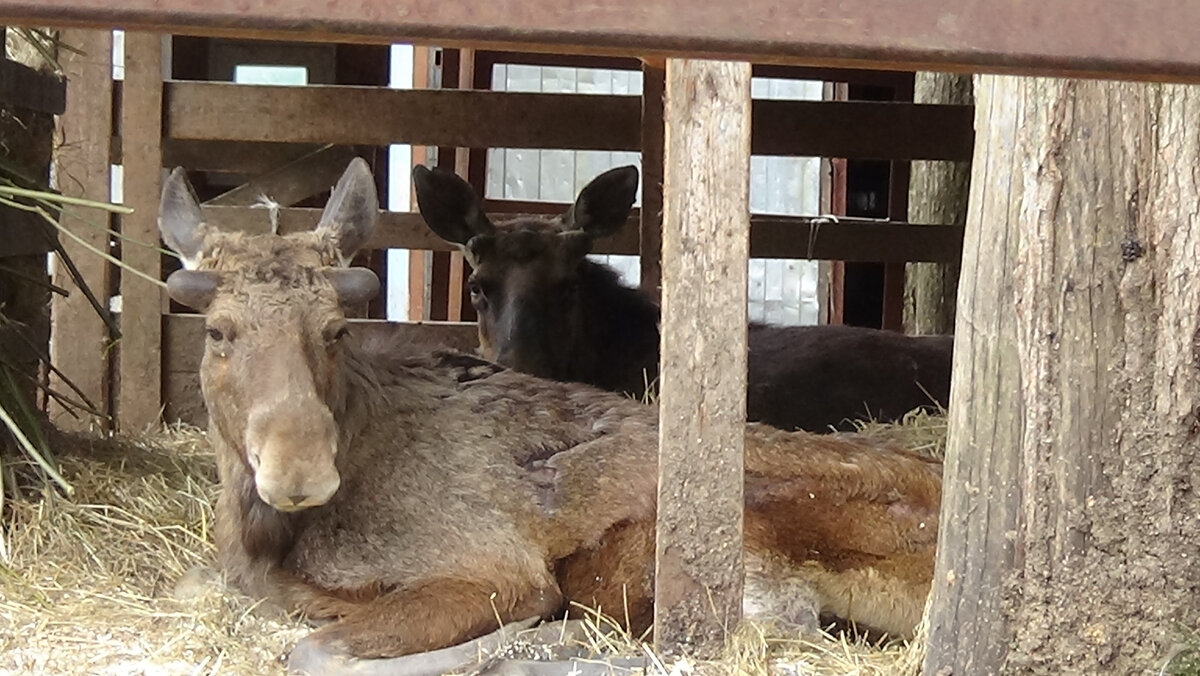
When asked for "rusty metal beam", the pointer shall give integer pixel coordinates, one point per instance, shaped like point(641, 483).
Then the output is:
point(1149, 39)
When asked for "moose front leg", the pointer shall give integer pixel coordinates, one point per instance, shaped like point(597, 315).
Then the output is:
point(431, 615)
point(311, 658)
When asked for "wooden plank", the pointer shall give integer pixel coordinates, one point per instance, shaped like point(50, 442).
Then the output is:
point(450, 118)
point(851, 239)
point(235, 157)
point(1150, 39)
point(836, 167)
point(139, 396)
point(894, 272)
point(418, 261)
point(437, 276)
point(443, 75)
point(854, 75)
point(309, 175)
point(238, 157)
point(370, 65)
point(24, 87)
point(486, 119)
point(848, 239)
point(456, 296)
point(863, 130)
point(654, 76)
point(477, 168)
point(857, 76)
point(702, 404)
point(79, 346)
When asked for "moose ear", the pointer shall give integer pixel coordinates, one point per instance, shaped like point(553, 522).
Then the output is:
point(603, 205)
point(180, 220)
point(449, 205)
point(354, 286)
point(352, 210)
point(194, 288)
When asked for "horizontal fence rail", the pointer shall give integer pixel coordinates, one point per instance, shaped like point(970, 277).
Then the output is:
point(848, 239)
point(210, 111)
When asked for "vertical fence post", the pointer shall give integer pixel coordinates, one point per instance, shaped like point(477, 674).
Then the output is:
point(706, 234)
point(139, 394)
point(79, 347)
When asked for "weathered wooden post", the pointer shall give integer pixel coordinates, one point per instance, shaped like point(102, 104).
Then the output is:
point(80, 346)
point(139, 397)
point(937, 194)
point(706, 227)
point(654, 76)
point(1070, 517)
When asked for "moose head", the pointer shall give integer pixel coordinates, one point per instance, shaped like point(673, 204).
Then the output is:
point(274, 324)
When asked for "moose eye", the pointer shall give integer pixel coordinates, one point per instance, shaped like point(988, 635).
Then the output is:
point(220, 330)
point(335, 333)
point(478, 298)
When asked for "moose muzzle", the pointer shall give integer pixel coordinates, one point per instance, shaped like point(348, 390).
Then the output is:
point(291, 447)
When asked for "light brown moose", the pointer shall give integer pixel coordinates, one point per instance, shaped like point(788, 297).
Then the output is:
point(414, 498)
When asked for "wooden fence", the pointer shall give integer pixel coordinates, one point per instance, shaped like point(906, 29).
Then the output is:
point(290, 142)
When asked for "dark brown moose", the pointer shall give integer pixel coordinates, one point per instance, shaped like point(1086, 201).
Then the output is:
point(545, 308)
point(414, 498)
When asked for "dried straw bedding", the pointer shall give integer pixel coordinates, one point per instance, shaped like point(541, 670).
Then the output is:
point(116, 579)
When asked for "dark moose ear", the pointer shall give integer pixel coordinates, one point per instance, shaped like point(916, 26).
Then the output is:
point(449, 205)
point(604, 204)
point(180, 220)
point(352, 209)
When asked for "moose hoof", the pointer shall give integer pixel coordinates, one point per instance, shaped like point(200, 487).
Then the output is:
point(196, 582)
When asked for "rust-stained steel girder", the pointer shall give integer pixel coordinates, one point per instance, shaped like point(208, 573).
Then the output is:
point(1145, 40)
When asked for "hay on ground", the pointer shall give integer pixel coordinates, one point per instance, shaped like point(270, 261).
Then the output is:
point(920, 431)
point(90, 582)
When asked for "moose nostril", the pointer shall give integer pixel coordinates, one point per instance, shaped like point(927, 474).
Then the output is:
point(297, 499)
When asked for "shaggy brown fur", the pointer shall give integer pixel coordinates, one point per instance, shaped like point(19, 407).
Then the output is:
point(545, 308)
point(417, 497)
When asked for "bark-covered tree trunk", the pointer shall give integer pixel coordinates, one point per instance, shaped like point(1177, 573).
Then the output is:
point(1071, 519)
point(937, 195)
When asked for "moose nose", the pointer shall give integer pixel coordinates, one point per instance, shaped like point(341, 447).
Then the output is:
point(312, 494)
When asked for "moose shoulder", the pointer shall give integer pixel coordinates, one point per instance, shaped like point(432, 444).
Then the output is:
point(418, 499)
point(545, 308)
